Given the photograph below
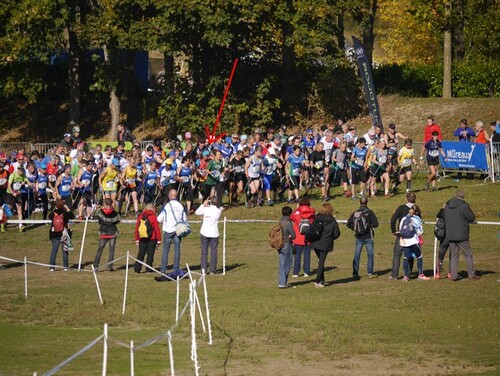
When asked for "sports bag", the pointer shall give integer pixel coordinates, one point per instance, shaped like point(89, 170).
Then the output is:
point(314, 232)
point(407, 230)
point(361, 226)
point(440, 229)
point(275, 239)
point(58, 222)
point(145, 228)
point(182, 228)
point(304, 226)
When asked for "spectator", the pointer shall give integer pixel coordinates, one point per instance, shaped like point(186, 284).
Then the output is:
point(482, 136)
point(330, 232)
point(66, 142)
point(172, 212)
point(458, 215)
point(411, 230)
point(362, 222)
point(285, 253)
point(60, 218)
point(302, 248)
point(108, 218)
point(443, 248)
point(463, 132)
point(209, 233)
point(147, 244)
point(397, 216)
point(124, 134)
point(432, 126)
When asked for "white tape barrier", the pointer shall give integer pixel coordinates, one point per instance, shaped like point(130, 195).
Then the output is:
point(191, 302)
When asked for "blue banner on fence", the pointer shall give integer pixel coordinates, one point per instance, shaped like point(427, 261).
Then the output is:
point(464, 155)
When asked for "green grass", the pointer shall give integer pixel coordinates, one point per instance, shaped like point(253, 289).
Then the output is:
point(375, 326)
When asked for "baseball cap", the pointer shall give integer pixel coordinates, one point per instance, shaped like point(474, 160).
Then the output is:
point(228, 140)
point(43, 166)
point(76, 129)
point(291, 138)
point(258, 131)
point(116, 161)
point(19, 156)
point(67, 135)
point(169, 161)
point(309, 131)
point(243, 137)
point(205, 153)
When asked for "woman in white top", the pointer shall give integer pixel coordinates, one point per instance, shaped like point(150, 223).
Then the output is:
point(410, 232)
point(209, 233)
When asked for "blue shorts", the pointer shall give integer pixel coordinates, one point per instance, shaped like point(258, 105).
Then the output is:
point(267, 182)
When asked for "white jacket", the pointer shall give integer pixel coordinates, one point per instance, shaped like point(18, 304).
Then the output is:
point(419, 230)
point(167, 216)
point(210, 224)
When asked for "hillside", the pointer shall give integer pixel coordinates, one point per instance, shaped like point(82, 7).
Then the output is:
point(409, 114)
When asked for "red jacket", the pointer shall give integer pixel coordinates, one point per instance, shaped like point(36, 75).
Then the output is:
point(431, 128)
point(154, 222)
point(302, 212)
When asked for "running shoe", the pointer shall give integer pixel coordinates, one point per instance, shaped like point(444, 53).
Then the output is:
point(406, 279)
point(423, 277)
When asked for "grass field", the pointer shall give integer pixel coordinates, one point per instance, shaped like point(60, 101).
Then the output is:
point(366, 327)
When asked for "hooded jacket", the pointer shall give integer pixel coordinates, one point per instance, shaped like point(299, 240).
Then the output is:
point(457, 216)
point(156, 235)
point(302, 212)
point(108, 218)
point(329, 233)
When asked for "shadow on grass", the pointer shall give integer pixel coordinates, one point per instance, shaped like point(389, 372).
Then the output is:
point(13, 265)
point(85, 264)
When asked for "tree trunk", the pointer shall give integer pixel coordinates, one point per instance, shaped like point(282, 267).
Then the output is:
point(169, 73)
point(458, 31)
point(114, 103)
point(74, 79)
point(340, 30)
point(447, 56)
point(368, 26)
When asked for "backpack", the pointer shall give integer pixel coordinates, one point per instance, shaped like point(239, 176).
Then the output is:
point(304, 226)
point(314, 232)
point(276, 240)
point(407, 231)
point(145, 228)
point(361, 226)
point(58, 222)
point(440, 229)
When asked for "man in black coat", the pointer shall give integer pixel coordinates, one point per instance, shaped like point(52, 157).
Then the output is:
point(457, 216)
point(365, 238)
point(124, 134)
point(397, 216)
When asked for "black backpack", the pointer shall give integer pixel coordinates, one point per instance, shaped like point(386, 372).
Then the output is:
point(440, 229)
point(314, 232)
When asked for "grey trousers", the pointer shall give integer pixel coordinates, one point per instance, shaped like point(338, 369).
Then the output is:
point(102, 244)
point(455, 248)
point(205, 243)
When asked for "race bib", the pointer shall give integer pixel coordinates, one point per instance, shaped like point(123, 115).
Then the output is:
point(131, 181)
point(296, 171)
point(151, 181)
point(52, 178)
point(256, 169)
point(110, 184)
point(65, 188)
point(340, 165)
point(238, 170)
point(382, 159)
point(406, 162)
point(42, 185)
point(393, 150)
point(215, 173)
point(185, 179)
point(318, 165)
point(433, 153)
point(3, 181)
point(269, 170)
point(360, 161)
point(16, 186)
point(85, 181)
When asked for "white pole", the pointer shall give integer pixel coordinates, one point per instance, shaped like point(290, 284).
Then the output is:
point(126, 284)
point(194, 354)
point(209, 323)
point(170, 353)
point(131, 358)
point(105, 351)
point(97, 285)
point(25, 278)
point(224, 248)
point(177, 301)
point(435, 248)
point(83, 242)
point(492, 160)
point(196, 300)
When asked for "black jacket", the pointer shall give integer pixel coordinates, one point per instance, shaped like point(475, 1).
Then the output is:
point(372, 220)
point(108, 219)
point(125, 136)
point(457, 216)
point(330, 232)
